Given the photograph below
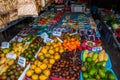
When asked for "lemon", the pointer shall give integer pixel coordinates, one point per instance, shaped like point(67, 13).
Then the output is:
point(49, 66)
point(44, 50)
point(37, 70)
point(41, 57)
point(52, 61)
point(56, 57)
point(51, 56)
point(45, 61)
point(34, 77)
point(47, 47)
point(47, 55)
point(48, 43)
point(57, 49)
point(59, 43)
point(55, 40)
point(40, 54)
point(51, 47)
point(61, 50)
point(42, 77)
point(36, 62)
point(29, 73)
point(32, 66)
point(43, 66)
point(39, 63)
point(46, 72)
point(51, 51)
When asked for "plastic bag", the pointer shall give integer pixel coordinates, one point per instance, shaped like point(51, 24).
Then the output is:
point(27, 8)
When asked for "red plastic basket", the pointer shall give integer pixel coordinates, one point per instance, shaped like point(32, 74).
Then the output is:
point(54, 78)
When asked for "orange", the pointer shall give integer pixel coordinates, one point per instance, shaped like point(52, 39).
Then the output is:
point(34, 77)
point(32, 66)
point(46, 72)
point(48, 43)
point(57, 56)
point(57, 49)
point(29, 73)
point(52, 61)
point(37, 70)
point(43, 66)
point(51, 51)
point(49, 66)
point(42, 77)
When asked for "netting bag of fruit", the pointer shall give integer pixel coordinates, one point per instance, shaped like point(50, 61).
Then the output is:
point(27, 8)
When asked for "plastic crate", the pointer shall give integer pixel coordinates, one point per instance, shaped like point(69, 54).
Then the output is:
point(81, 78)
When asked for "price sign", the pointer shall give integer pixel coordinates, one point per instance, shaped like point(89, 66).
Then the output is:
point(57, 33)
point(96, 49)
point(22, 61)
point(5, 45)
point(11, 56)
point(44, 35)
point(99, 48)
point(48, 40)
point(20, 39)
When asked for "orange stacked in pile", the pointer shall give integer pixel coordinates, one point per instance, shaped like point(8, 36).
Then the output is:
point(71, 44)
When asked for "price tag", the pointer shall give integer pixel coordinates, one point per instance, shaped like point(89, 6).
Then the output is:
point(94, 49)
point(44, 35)
point(22, 61)
point(57, 33)
point(20, 39)
point(97, 48)
point(11, 56)
point(48, 40)
point(5, 45)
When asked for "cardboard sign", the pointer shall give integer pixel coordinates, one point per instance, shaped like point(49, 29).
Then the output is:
point(20, 39)
point(97, 49)
point(5, 45)
point(11, 56)
point(48, 40)
point(44, 35)
point(22, 61)
point(57, 33)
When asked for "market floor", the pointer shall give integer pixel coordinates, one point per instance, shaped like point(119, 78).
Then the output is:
point(114, 57)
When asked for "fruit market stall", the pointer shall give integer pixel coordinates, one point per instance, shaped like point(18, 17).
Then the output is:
point(58, 46)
